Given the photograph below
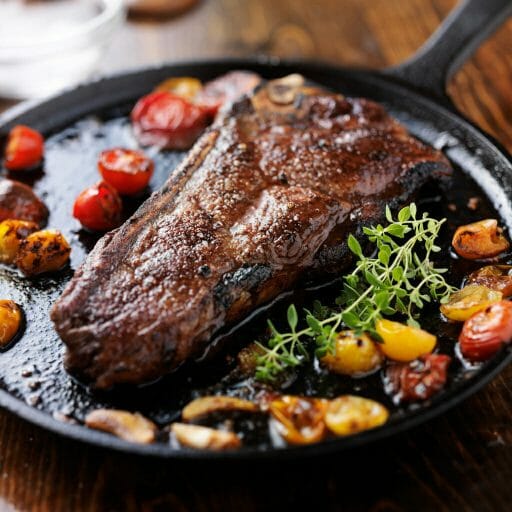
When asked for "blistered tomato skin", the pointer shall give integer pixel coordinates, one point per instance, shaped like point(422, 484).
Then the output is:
point(299, 420)
point(402, 342)
point(11, 320)
point(486, 332)
point(480, 240)
point(418, 380)
point(353, 355)
point(127, 170)
point(185, 87)
point(166, 120)
point(494, 277)
point(25, 148)
point(98, 208)
point(348, 415)
point(466, 302)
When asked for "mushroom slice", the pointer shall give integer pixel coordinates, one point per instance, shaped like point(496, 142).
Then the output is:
point(129, 426)
point(209, 404)
point(204, 438)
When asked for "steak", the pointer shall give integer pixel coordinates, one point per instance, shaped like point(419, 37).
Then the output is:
point(268, 194)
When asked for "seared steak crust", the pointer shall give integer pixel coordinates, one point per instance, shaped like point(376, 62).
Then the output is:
point(268, 193)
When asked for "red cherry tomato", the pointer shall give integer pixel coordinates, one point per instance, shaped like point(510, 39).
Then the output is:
point(25, 148)
point(487, 331)
point(169, 121)
point(419, 379)
point(98, 208)
point(127, 170)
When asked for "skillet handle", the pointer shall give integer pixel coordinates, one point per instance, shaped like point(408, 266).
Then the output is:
point(465, 28)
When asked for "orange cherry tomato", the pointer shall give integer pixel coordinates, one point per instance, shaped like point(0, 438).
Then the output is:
point(299, 420)
point(184, 86)
point(169, 121)
point(98, 208)
point(25, 148)
point(495, 277)
point(482, 239)
point(419, 379)
point(127, 170)
point(486, 331)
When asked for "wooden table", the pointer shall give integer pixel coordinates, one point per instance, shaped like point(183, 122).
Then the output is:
point(461, 461)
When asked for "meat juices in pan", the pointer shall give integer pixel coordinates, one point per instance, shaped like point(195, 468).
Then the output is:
point(269, 192)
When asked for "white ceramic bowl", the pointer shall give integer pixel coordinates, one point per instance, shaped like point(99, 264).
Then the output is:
point(47, 46)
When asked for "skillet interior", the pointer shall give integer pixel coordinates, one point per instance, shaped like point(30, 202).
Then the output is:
point(69, 166)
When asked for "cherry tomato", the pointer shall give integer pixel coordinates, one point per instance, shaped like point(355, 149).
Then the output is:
point(348, 414)
point(299, 420)
point(127, 170)
point(184, 86)
point(166, 120)
point(419, 379)
point(495, 277)
point(486, 331)
point(402, 342)
point(98, 208)
point(226, 88)
point(466, 302)
point(24, 149)
point(483, 239)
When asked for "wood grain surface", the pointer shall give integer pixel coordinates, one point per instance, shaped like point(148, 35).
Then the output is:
point(462, 461)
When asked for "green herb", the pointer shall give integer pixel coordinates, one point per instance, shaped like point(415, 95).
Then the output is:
point(399, 279)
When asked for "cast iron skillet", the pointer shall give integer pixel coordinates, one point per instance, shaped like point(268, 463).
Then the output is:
point(31, 376)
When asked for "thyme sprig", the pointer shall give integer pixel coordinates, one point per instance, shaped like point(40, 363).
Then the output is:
point(398, 279)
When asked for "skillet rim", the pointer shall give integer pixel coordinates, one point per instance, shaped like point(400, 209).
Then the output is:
point(410, 419)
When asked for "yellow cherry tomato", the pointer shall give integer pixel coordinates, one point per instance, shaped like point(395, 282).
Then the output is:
point(403, 342)
point(42, 251)
point(299, 420)
point(353, 355)
point(349, 414)
point(468, 301)
point(11, 318)
point(185, 86)
point(12, 232)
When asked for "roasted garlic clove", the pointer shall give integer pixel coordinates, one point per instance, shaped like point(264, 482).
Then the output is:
point(11, 319)
point(299, 420)
point(129, 426)
point(43, 251)
point(347, 415)
point(204, 438)
point(353, 354)
point(12, 232)
point(210, 404)
point(483, 239)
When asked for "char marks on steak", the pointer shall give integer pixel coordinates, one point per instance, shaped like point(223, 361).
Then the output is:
point(268, 193)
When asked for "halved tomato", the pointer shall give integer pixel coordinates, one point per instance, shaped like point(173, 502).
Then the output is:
point(169, 121)
point(127, 170)
point(98, 208)
point(25, 148)
point(486, 331)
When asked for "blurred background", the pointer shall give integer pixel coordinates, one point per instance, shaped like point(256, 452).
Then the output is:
point(46, 45)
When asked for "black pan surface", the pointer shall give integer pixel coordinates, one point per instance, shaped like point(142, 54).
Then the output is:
point(81, 122)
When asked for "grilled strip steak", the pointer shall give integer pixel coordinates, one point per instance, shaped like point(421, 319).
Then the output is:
point(268, 193)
